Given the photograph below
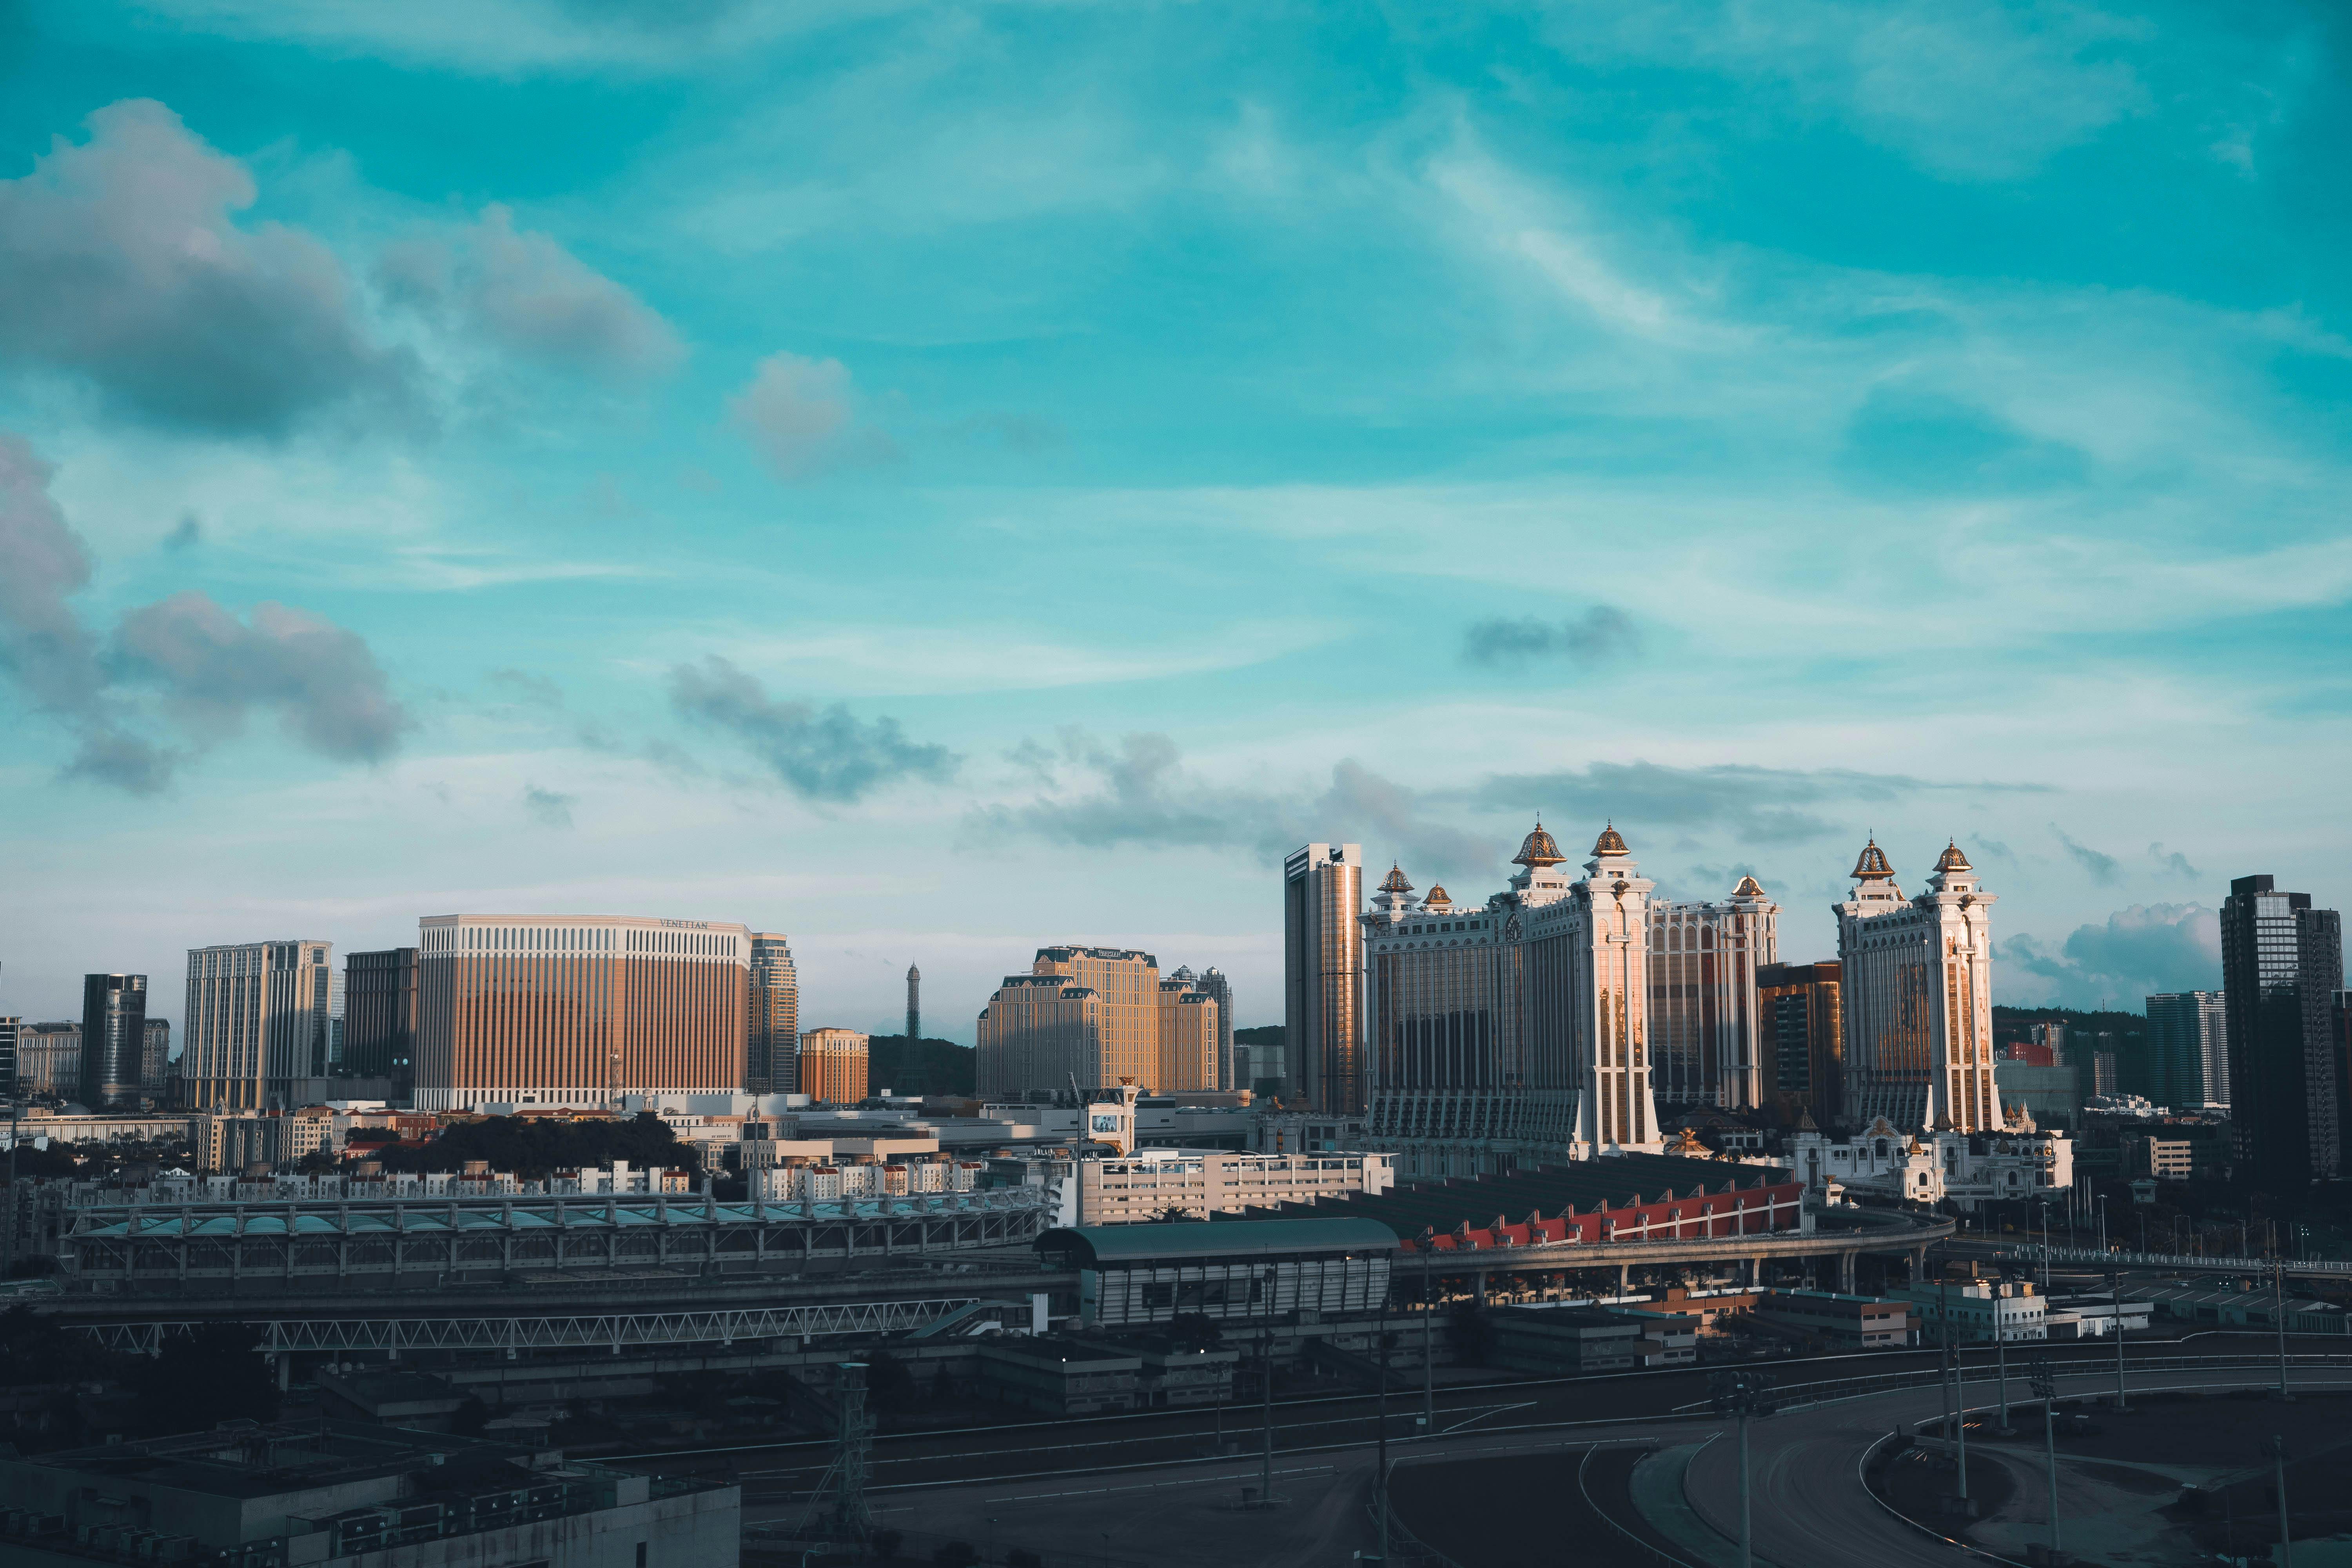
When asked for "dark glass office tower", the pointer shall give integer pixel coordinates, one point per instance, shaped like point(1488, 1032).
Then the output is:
point(380, 992)
point(2280, 961)
point(113, 1039)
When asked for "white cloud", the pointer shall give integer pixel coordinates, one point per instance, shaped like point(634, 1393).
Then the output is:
point(800, 415)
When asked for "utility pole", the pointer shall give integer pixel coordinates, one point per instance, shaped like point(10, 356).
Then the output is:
point(2277, 1446)
point(1428, 1355)
point(2115, 1286)
point(2045, 1384)
point(1381, 1473)
point(1266, 1463)
point(2001, 1352)
point(1742, 1394)
point(2278, 1317)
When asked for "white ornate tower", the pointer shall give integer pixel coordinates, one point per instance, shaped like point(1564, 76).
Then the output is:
point(1917, 980)
point(1617, 1111)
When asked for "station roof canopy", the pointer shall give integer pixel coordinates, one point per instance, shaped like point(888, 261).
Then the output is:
point(1175, 1242)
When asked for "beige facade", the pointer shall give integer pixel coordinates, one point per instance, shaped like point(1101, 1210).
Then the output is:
point(1123, 1191)
point(833, 1065)
point(1128, 1020)
point(1188, 1026)
point(578, 1010)
point(1916, 995)
point(1706, 1046)
point(255, 1023)
point(48, 1059)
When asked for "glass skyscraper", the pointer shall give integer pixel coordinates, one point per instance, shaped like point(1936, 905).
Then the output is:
point(2189, 1048)
point(113, 1038)
point(2281, 960)
point(771, 1046)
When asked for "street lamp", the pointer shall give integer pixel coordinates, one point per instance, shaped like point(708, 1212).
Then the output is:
point(2045, 1387)
point(2277, 1448)
point(1742, 1393)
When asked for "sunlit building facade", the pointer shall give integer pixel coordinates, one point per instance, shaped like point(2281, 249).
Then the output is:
point(1188, 1037)
point(1706, 1040)
point(1323, 976)
point(578, 1010)
point(771, 1018)
point(1917, 997)
point(1084, 1013)
point(833, 1065)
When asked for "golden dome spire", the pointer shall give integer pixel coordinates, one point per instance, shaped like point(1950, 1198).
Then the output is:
point(1394, 882)
point(1951, 859)
point(1437, 896)
point(1610, 842)
point(1872, 862)
point(1538, 849)
point(1750, 887)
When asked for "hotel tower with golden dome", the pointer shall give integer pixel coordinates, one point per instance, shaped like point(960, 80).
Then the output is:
point(1552, 1021)
point(1918, 983)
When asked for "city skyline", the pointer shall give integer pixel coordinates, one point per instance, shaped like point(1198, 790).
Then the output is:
point(655, 462)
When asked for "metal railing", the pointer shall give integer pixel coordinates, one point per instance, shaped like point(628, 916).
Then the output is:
point(611, 1330)
point(2035, 1252)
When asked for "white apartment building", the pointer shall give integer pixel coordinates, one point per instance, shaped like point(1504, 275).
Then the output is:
point(1156, 1182)
point(1981, 1311)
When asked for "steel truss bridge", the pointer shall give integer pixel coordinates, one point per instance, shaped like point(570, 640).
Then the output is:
point(613, 1332)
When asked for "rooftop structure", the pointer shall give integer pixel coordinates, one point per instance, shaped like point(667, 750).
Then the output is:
point(333, 1494)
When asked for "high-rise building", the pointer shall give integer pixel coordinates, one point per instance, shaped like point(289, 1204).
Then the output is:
point(772, 1017)
point(914, 1005)
point(1804, 1033)
point(1917, 997)
point(10, 1028)
point(1521, 1029)
point(113, 1039)
point(255, 1025)
point(1087, 1013)
point(2188, 1048)
point(2281, 960)
point(155, 1058)
point(578, 1010)
point(1188, 1035)
point(833, 1065)
point(1214, 984)
point(1323, 976)
point(1706, 1035)
point(381, 992)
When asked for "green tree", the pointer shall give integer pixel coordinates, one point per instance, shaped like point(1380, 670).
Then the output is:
point(203, 1376)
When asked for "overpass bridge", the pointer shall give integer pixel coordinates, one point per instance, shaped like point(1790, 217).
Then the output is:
point(2174, 1262)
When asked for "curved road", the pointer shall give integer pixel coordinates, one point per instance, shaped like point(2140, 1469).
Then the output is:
point(1811, 1507)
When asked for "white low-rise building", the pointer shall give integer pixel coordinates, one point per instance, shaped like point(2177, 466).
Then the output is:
point(1157, 1183)
point(1971, 1169)
point(1980, 1309)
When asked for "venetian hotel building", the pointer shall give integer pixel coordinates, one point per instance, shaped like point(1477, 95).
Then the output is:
point(578, 1010)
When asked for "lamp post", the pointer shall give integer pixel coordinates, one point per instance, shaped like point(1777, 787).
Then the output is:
point(2115, 1291)
point(1742, 1394)
point(2278, 1317)
point(2277, 1446)
point(2046, 1386)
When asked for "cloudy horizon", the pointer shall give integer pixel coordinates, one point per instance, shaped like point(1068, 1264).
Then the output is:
point(939, 481)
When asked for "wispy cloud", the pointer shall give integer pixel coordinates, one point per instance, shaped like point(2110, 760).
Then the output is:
point(549, 808)
point(826, 754)
point(1759, 806)
point(1602, 631)
point(2103, 868)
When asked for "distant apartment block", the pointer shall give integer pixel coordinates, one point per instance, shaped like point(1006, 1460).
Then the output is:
point(2188, 1048)
point(254, 1022)
point(1803, 1027)
point(833, 1065)
point(1098, 1016)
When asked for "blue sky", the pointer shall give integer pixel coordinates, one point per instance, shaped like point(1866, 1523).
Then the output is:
point(937, 480)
